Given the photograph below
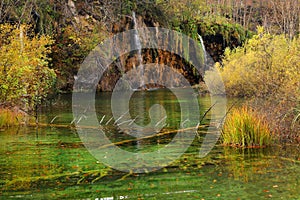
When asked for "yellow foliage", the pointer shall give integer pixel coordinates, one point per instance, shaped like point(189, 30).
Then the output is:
point(265, 66)
point(267, 69)
point(24, 74)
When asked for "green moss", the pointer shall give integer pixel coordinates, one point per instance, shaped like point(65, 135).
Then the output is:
point(211, 26)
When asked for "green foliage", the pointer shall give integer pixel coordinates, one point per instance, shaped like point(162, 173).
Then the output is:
point(245, 128)
point(25, 79)
point(191, 17)
point(182, 16)
point(233, 34)
point(183, 10)
point(70, 49)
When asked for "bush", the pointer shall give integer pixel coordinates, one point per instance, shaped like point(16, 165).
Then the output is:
point(266, 65)
point(25, 79)
point(266, 69)
point(246, 128)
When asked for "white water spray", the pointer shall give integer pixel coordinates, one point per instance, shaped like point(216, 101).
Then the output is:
point(139, 48)
point(204, 50)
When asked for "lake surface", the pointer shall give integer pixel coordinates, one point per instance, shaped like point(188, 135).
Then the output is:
point(52, 162)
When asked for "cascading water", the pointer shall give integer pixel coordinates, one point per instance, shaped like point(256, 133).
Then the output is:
point(139, 49)
point(204, 50)
point(137, 42)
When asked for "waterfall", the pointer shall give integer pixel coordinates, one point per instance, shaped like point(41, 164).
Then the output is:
point(139, 48)
point(204, 50)
point(137, 42)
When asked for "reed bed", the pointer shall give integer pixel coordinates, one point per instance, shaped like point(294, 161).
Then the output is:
point(10, 118)
point(244, 127)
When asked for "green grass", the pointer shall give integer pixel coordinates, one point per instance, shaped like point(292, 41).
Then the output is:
point(246, 128)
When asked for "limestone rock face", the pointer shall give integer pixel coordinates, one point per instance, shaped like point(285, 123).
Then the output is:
point(156, 58)
point(124, 63)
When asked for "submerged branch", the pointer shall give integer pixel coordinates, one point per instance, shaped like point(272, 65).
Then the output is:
point(78, 177)
point(163, 133)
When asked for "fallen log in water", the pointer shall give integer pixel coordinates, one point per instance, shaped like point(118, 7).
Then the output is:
point(163, 133)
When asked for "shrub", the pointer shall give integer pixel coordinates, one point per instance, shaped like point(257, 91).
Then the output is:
point(25, 79)
point(265, 66)
point(266, 69)
point(246, 128)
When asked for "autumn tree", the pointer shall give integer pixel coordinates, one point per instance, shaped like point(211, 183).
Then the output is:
point(266, 69)
point(25, 79)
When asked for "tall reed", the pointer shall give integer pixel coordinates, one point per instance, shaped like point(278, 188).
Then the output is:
point(9, 117)
point(246, 128)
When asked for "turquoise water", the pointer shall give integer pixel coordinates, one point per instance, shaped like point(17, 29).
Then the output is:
point(52, 163)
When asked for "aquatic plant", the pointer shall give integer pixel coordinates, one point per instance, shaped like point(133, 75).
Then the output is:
point(245, 128)
point(9, 118)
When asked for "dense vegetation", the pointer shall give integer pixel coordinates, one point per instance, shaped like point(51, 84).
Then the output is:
point(266, 70)
point(266, 66)
point(25, 79)
point(42, 44)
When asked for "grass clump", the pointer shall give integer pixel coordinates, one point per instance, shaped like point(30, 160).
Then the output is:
point(245, 128)
point(10, 118)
